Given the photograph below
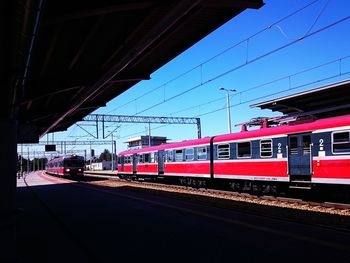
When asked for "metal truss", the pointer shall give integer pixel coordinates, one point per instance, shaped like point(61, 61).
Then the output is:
point(139, 119)
point(39, 154)
point(92, 142)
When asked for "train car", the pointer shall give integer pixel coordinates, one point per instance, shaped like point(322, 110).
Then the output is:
point(297, 153)
point(68, 165)
point(166, 160)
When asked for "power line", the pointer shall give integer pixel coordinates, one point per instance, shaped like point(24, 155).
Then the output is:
point(270, 94)
point(276, 93)
point(319, 15)
point(247, 63)
point(218, 54)
point(267, 83)
point(251, 61)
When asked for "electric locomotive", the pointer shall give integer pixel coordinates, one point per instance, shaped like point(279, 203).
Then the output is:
point(71, 165)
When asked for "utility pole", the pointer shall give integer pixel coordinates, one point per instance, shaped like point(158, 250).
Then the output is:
point(149, 134)
point(228, 106)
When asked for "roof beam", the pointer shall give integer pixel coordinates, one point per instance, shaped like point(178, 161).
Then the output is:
point(97, 12)
point(161, 28)
point(85, 43)
point(51, 49)
point(233, 4)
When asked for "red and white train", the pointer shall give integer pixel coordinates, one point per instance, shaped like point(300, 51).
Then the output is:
point(293, 154)
point(68, 165)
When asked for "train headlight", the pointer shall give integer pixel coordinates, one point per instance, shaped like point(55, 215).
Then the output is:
point(67, 170)
point(79, 170)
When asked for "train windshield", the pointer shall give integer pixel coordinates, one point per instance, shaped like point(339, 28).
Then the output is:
point(73, 163)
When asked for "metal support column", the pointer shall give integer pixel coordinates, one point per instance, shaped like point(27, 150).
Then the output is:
point(199, 130)
point(21, 159)
point(8, 155)
point(149, 134)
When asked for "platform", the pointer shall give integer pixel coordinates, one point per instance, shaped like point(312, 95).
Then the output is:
point(40, 237)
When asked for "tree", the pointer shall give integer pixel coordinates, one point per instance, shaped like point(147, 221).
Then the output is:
point(105, 156)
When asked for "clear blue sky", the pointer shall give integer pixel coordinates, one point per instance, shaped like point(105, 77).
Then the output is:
point(328, 45)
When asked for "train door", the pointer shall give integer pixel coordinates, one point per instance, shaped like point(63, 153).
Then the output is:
point(134, 163)
point(121, 160)
point(161, 159)
point(300, 157)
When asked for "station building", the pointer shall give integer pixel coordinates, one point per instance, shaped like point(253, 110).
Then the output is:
point(145, 141)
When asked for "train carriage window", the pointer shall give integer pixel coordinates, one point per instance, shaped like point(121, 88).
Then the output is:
point(306, 144)
point(170, 156)
point(146, 158)
point(73, 163)
point(201, 153)
point(153, 157)
point(141, 158)
point(189, 154)
point(223, 151)
point(341, 142)
point(266, 148)
point(244, 150)
point(293, 146)
point(179, 155)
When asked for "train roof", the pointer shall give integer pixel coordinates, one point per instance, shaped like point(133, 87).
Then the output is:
point(308, 126)
point(67, 156)
point(268, 132)
point(173, 145)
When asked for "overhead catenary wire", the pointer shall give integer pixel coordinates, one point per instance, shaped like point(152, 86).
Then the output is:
point(257, 98)
point(227, 72)
point(207, 61)
point(217, 55)
point(268, 83)
point(340, 60)
point(318, 17)
point(247, 63)
point(276, 93)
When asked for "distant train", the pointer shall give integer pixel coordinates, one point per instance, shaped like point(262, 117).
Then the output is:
point(68, 165)
point(296, 154)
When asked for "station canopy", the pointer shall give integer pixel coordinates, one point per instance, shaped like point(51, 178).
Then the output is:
point(61, 60)
point(322, 102)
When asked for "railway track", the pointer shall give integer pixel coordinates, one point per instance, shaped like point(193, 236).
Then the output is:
point(283, 202)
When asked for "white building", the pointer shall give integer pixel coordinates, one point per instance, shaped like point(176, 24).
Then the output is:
point(104, 165)
point(145, 141)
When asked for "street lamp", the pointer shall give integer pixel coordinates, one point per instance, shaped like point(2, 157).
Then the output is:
point(228, 106)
